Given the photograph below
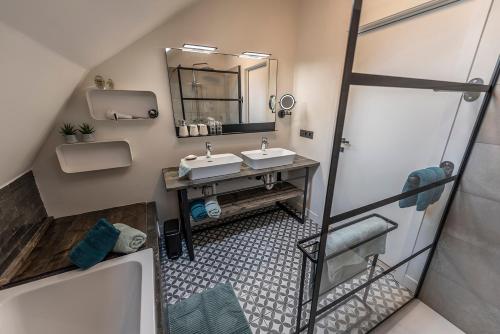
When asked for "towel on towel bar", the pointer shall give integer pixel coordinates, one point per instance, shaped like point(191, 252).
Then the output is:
point(341, 267)
point(355, 260)
point(424, 199)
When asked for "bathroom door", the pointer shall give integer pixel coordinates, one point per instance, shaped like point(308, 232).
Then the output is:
point(257, 85)
point(394, 131)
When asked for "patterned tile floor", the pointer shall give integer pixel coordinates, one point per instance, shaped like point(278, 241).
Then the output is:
point(258, 256)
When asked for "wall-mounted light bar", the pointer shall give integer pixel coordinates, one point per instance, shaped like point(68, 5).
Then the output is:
point(257, 55)
point(199, 48)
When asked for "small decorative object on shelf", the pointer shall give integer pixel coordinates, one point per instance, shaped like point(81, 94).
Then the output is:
point(121, 105)
point(153, 113)
point(109, 84)
point(99, 81)
point(69, 132)
point(87, 132)
point(183, 129)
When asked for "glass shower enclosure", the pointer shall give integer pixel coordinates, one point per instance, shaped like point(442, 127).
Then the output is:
point(377, 240)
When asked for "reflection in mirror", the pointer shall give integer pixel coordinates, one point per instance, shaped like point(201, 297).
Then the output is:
point(227, 93)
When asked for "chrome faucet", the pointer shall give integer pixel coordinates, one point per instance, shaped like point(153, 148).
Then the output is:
point(209, 149)
point(264, 144)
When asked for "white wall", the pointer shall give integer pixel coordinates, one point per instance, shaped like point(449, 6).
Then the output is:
point(35, 82)
point(233, 26)
point(90, 31)
point(321, 41)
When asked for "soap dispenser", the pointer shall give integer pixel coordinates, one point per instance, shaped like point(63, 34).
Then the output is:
point(193, 130)
point(183, 130)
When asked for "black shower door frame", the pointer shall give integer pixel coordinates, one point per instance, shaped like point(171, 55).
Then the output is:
point(349, 79)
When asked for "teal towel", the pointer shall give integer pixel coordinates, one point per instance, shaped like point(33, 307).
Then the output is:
point(212, 207)
point(184, 169)
point(96, 244)
point(130, 239)
point(214, 311)
point(198, 210)
point(426, 198)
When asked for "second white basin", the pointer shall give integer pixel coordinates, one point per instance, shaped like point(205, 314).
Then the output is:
point(268, 158)
point(217, 165)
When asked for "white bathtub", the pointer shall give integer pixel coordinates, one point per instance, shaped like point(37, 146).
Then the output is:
point(114, 297)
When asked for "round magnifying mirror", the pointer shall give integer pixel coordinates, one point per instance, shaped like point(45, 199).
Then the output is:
point(287, 102)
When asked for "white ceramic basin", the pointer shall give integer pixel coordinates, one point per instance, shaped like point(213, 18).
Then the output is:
point(271, 157)
point(114, 297)
point(217, 165)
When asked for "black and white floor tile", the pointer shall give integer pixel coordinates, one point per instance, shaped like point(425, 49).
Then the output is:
point(259, 257)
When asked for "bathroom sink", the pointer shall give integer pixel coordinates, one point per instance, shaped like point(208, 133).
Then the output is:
point(268, 158)
point(114, 297)
point(217, 165)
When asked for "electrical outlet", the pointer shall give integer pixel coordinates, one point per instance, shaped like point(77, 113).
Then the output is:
point(306, 133)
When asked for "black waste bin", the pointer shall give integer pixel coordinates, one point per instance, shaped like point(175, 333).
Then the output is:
point(172, 233)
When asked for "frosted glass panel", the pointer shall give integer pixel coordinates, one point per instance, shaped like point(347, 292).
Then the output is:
point(393, 132)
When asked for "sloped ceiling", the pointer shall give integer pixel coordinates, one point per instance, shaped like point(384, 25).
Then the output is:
point(87, 31)
point(47, 47)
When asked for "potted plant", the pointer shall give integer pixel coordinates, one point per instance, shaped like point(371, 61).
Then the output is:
point(69, 132)
point(87, 132)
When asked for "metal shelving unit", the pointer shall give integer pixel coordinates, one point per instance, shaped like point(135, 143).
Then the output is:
point(349, 79)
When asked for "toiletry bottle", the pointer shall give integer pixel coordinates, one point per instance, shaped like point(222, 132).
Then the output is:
point(219, 127)
point(203, 129)
point(212, 129)
point(193, 130)
point(183, 130)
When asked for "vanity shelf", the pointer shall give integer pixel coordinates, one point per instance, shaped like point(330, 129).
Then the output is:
point(252, 199)
point(244, 199)
point(129, 102)
point(86, 157)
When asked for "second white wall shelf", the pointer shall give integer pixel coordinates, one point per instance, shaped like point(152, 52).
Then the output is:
point(86, 157)
point(128, 102)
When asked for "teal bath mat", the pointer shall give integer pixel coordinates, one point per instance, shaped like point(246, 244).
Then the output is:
point(215, 311)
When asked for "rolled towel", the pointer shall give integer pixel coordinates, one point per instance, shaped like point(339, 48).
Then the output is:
point(198, 211)
point(96, 244)
point(212, 207)
point(130, 239)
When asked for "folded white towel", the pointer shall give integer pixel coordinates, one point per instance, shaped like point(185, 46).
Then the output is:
point(212, 206)
point(184, 168)
point(129, 240)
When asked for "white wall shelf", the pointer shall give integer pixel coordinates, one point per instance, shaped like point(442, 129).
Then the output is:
point(86, 157)
point(129, 102)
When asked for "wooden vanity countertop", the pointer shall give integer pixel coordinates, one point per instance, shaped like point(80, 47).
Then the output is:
point(174, 182)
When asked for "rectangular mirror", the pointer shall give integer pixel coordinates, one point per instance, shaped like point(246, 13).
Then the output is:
point(226, 93)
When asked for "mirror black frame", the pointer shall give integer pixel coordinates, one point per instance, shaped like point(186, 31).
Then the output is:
point(229, 129)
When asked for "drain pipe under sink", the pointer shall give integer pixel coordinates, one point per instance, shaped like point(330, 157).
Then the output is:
point(269, 180)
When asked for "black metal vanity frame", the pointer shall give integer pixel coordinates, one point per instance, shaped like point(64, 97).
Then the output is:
point(351, 78)
point(181, 186)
